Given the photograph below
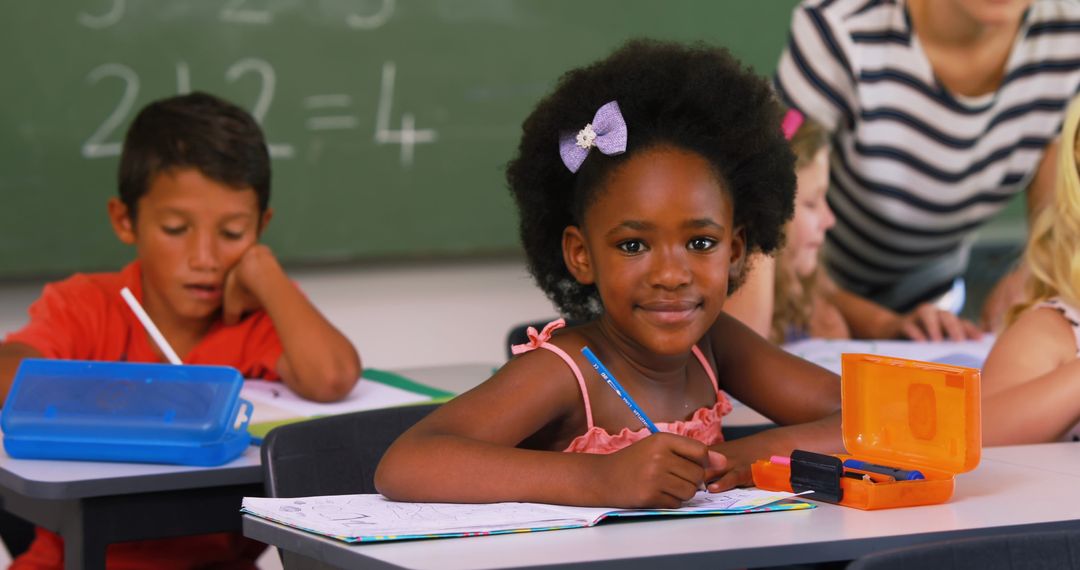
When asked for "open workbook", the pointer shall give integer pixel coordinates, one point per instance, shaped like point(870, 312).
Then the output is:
point(370, 518)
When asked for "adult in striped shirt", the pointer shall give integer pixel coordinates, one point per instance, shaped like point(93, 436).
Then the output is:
point(940, 111)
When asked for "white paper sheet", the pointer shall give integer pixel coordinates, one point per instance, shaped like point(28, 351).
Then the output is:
point(273, 401)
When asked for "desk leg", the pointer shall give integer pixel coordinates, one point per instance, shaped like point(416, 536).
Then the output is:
point(89, 525)
point(294, 561)
point(84, 545)
point(84, 541)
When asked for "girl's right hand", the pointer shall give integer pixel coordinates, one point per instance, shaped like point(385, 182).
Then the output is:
point(661, 471)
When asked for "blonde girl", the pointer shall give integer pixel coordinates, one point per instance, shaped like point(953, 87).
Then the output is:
point(1031, 380)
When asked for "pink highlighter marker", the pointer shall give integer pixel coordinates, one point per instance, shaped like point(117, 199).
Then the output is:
point(780, 460)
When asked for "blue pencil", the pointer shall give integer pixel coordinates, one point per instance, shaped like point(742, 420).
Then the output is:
point(611, 381)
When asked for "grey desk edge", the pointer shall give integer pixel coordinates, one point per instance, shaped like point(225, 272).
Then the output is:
point(136, 483)
point(335, 553)
point(982, 506)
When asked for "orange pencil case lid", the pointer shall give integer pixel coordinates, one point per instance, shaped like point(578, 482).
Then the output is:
point(912, 413)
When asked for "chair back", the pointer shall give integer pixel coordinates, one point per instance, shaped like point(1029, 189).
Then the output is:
point(1041, 549)
point(334, 455)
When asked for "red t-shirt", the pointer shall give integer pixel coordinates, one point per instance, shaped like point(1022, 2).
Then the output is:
point(84, 318)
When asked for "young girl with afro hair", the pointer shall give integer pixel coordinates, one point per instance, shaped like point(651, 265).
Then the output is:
point(643, 182)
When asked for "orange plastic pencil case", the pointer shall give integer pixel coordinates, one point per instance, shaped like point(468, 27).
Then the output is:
point(896, 412)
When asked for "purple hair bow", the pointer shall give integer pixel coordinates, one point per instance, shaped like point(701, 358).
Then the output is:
point(607, 132)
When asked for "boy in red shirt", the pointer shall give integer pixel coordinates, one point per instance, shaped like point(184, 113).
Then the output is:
point(194, 192)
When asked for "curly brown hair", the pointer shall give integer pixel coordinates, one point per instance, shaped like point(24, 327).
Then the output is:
point(694, 97)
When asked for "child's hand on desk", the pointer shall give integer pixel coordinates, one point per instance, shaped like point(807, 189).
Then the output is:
point(239, 296)
point(662, 470)
point(730, 467)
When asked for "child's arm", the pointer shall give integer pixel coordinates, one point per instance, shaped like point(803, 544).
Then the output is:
point(752, 303)
point(466, 450)
point(11, 354)
point(800, 396)
point(318, 362)
point(822, 436)
point(1031, 392)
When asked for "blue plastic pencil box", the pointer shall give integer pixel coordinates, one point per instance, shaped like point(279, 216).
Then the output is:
point(121, 411)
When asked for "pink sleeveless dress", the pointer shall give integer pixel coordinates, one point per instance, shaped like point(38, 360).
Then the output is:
point(703, 426)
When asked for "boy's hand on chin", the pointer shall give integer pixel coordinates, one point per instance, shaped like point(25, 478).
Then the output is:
point(239, 298)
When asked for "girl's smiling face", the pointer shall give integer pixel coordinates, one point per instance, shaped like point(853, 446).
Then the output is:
point(658, 243)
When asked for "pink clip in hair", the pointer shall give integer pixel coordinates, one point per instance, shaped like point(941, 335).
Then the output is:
point(793, 119)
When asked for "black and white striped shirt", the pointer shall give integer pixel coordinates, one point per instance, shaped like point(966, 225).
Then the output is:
point(916, 169)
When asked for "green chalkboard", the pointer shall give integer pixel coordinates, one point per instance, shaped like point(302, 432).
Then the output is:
point(389, 121)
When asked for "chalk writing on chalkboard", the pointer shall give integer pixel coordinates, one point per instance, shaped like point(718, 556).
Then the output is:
point(242, 12)
point(323, 112)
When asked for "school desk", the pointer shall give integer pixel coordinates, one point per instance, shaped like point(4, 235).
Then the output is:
point(92, 504)
point(998, 497)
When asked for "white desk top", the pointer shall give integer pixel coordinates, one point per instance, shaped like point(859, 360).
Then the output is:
point(996, 497)
point(1061, 457)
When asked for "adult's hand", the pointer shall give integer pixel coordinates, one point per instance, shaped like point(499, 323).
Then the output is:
point(928, 322)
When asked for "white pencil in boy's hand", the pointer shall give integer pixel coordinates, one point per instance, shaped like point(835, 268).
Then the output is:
point(150, 327)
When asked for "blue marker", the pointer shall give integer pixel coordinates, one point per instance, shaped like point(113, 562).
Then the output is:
point(611, 381)
point(898, 474)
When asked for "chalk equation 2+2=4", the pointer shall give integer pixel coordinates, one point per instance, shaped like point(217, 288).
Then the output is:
point(324, 112)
